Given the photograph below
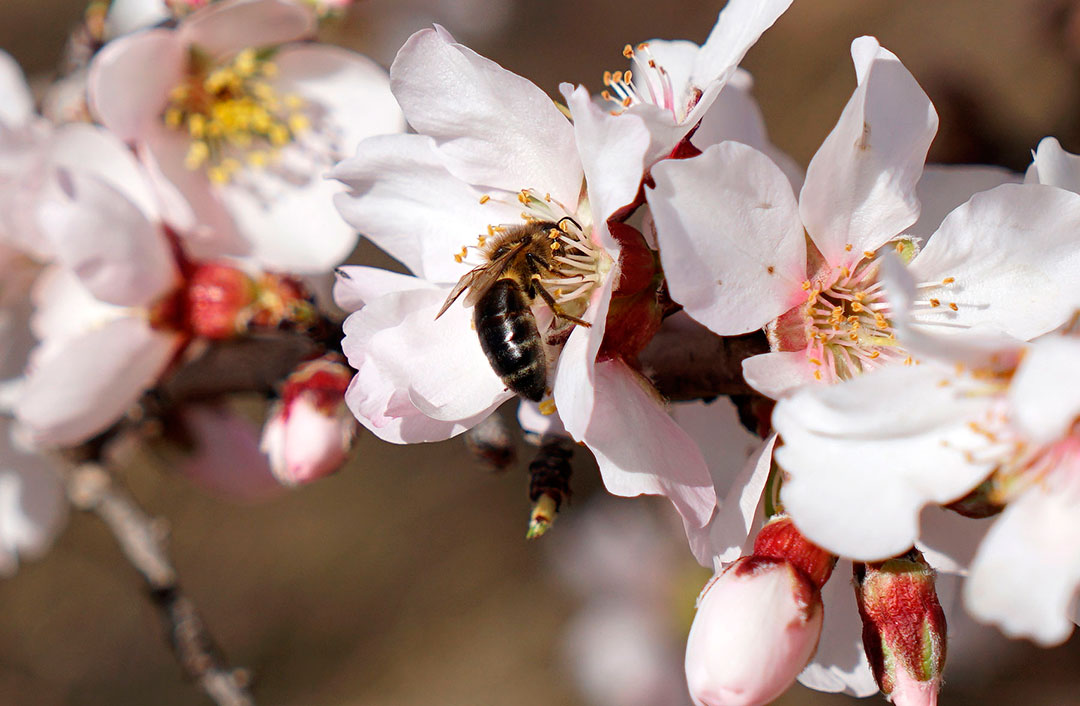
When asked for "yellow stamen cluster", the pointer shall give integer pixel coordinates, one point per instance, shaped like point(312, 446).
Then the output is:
point(233, 114)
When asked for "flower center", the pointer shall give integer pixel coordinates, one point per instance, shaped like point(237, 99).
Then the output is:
point(847, 324)
point(653, 84)
point(562, 260)
point(233, 113)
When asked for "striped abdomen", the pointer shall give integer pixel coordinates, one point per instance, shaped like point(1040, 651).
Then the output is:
point(510, 340)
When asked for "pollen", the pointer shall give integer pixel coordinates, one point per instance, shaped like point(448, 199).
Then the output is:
point(848, 247)
point(484, 199)
point(547, 407)
point(948, 280)
point(953, 306)
point(232, 115)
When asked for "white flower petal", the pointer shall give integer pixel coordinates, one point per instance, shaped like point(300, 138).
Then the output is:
point(864, 456)
point(1054, 166)
point(83, 388)
point(840, 664)
point(126, 16)
point(1025, 575)
point(737, 28)
point(735, 517)
point(495, 128)
point(355, 285)
point(730, 238)
point(106, 241)
point(16, 103)
point(1044, 397)
point(130, 79)
point(639, 447)
point(402, 374)
point(224, 28)
point(33, 508)
point(1014, 252)
point(860, 186)
point(776, 374)
point(612, 149)
point(352, 89)
point(404, 200)
point(943, 187)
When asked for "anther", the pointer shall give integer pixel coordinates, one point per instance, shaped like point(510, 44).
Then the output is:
point(484, 199)
point(628, 52)
point(953, 306)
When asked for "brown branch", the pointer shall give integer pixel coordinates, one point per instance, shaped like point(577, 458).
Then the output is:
point(687, 361)
point(141, 537)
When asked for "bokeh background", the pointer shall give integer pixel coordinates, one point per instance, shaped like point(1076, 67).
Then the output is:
point(406, 578)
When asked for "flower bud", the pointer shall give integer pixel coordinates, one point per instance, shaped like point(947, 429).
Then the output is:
point(756, 627)
point(903, 627)
point(219, 300)
point(310, 431)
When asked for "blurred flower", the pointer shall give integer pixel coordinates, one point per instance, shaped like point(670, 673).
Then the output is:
point(33, 509)
point(310, 431)
point(237, 126)
point(413, 195)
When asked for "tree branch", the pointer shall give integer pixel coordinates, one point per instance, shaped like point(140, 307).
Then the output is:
point(91, 488)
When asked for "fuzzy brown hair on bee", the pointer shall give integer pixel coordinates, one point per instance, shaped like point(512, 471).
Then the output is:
point(502, 291)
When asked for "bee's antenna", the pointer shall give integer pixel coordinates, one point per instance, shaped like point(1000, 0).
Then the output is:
point(568, 218)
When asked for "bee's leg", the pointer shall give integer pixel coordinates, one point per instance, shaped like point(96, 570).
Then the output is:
point(555, 306)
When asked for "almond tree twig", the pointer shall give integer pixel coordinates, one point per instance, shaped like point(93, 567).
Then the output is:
point(141, 537)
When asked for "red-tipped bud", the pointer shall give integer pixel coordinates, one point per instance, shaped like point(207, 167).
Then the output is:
point(756, 627)
point(310, 431)
point(903, 627)
point(779, 539)
point(219, 300)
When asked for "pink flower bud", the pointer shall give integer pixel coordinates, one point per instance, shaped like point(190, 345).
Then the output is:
point(757, 625)
point(310, 431)
point(903, 627)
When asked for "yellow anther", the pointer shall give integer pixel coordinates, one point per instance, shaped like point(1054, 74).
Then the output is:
point(935, 303)
point(868, 253)
point(244, 63)
point(848, 247)
point(628, 76)
point(628, 51)
point(874, 355)
point(279, 135)
point(218, 175)
point(174, 117)
point(948, 280)
point(844, 271)
point(642, 46)
point(806, 285)
point(481, 241)
point(197, 155)
point(196, 125)
point(606, 95)
point(547, 407)
point(815, 361)
point(856, 306)
point(627, 101)
point(817, 375)
point(909, 360)
point(953, 306)
point(458, 258)
point(617, 77)
point(298, 122)
point(258, 159)
point(484, 199)
point(607, 78)
point(860, 296)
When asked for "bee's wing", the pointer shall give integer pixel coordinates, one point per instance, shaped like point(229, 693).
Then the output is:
point(479, 279)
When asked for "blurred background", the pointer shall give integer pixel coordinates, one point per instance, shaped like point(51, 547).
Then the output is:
point(406, 578)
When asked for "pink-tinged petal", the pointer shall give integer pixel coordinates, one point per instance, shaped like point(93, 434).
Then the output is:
point(389, 342)
point(119, 256)
point(943, 187)
point(225, 458)
point(355, 285)
point(1044, 397)
point(82, 389)
point(860, 186)
point(738, 26)
point(639, 447)
point(1013, 252)
point(677, 58)
point(95, 151)
point(404, 200)
point(227, 27)
point(130, 80)
point(612, 149)
point(33, 508)
point(1054, 166)
point(840, 664)
point(127, 16)
point(948, 541)
point(534, 422)
point(65, 309)
point(1025, 574)
point(779, 373)
point(575, 378)
point(495, 127)
point(735, 115)
point(731, 242)
point(864, 456)
point(290, 226)
point(16, 102)
point(188, 201)
point(353, 89)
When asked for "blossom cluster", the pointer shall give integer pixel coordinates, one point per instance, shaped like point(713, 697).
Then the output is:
point(899, 340)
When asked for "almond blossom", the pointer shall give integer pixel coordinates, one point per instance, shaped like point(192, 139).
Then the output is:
point(731, 236)
point(237, 121)
point(494, 150)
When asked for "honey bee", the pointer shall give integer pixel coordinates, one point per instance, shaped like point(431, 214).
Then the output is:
point(502, 291)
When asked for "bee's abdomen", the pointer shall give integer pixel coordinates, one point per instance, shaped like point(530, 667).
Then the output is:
point(510, 340)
